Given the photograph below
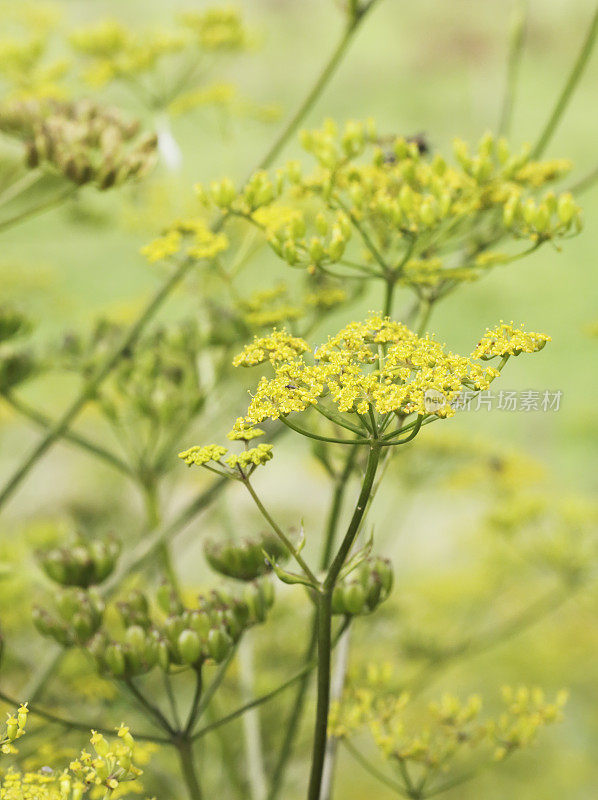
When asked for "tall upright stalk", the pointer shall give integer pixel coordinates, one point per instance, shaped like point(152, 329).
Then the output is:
point(291, 727)
point(185, 750)
point(324, 623)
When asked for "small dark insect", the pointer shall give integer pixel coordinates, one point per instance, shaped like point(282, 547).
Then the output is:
point(419, 139)
point(290, 386)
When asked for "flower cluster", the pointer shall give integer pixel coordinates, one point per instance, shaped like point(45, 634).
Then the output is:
point(409, 213)
point(239, 464)
point(114, 51)
point(28, 66)
point(427, 744)
point(112, 763)
point(82, 141)
point(506, 340)
point(373, 366)
point(191, 236)
point(14, 728)
point(109, 768)
point(269, 307)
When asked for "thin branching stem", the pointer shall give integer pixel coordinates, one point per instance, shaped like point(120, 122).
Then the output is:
point(568, 89)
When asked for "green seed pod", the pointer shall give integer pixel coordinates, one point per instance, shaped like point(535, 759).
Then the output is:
point(168, 599)
point(244, 560)
point(115, 660)
point(353, 598)
point(163, 655)
point(135, 638)
point(189, 646)
point(219, 644)
point(255, 603)
point(199, 621)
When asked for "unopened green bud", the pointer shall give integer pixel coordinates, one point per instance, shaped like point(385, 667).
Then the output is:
point(336, 248)
point(427, 214)
point(223, 192)
point(316, 250)
point(566, 208)
point(542, 218)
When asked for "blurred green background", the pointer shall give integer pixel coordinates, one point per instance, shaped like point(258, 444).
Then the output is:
point(435, 67)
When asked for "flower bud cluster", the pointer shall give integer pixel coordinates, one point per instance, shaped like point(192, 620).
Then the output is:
point(78, 616)
point(364, 589)
point(405, 208)
point(447, 731)
point(14, 728)
point(82, 141)
point(245, 560)
point(83, 563)
point(114, 51)
point(110, 766)
point(106, 769)
point(269, 307)
point(294, 245)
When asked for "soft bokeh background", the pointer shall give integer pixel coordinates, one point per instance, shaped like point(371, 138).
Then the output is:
point(432, 67)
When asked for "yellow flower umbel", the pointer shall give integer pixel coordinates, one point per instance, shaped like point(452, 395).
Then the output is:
point(379, 207)
point(505, 340)
point(438, 744)
point(98, 774)
point(369, 377)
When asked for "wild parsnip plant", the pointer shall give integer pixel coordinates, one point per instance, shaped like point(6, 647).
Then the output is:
point(363, 214)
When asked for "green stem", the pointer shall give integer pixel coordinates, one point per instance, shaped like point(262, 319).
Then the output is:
point(324, 623)
point(38, 682)
point(37, 209)
point(568, 89)
point(294, 718)
point(45, 422)
point(585, 183)
point(376, 773)
point(312, 96)
point(389, 296)
point(311, 435)
point(153, 516)
point(185, 750)
point(20, 186)
point(517, 39)
point(152, 709)
point(195, 703)
point(280, 533)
